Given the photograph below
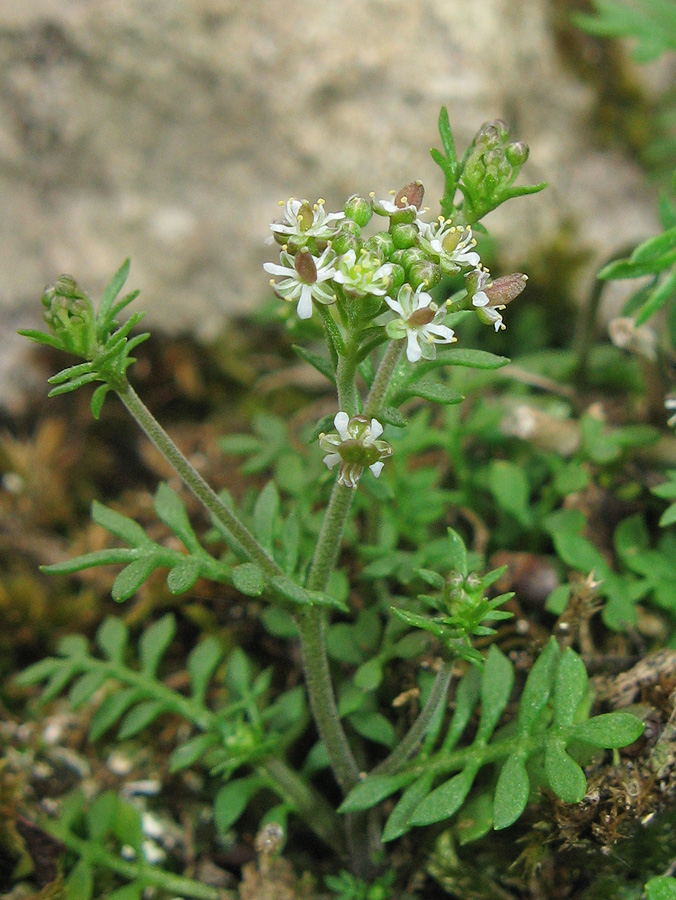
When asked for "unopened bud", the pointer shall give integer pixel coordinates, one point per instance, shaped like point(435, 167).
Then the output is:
point(424, 275)
point(381, 244)
point(517, 153)
point(404, 235)
point(304, 264)
point(359, 210)
point(505, 289)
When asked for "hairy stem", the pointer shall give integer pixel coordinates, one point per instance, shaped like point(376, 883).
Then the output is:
point(385, 371)
point(141, 871)
point(196, 483)
point(310, 805)
point(416, 733)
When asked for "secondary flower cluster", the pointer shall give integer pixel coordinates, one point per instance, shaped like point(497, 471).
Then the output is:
point(326, 260)
point(354, 445)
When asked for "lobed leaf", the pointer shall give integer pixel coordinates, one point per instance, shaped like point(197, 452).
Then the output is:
point(202, 663)
point(371, 791)
point(445, 800)
point(564, 775)
point(154, 643)
point(614, 729)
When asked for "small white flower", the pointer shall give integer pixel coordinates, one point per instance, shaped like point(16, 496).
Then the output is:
point(303, 220)
point(670, 403)
point(364, 275)
point(450, 245)
point(420, 321)
point(490, 315)
point(304, 279)
point(354, 445)
point(481, 278)
point(408, 199)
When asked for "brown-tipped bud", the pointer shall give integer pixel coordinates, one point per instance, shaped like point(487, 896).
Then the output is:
point(505, 289)
point(305, 266)
point(410, 195)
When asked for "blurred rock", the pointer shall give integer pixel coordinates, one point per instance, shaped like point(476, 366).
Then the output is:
point(169, 131)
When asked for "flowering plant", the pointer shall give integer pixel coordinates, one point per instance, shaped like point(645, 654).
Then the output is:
point(374, 278)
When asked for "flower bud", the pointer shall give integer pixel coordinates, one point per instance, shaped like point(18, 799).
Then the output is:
point(517, 153)
point(70, 316)
point(403, 235)
point(358, 209)
point(505, 289)
point(411, 257)
point(398, 278)
point(424, 274)
point(381, 244)
point(345, 241)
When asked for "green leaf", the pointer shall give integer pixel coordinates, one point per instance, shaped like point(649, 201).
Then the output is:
point(321, 364)
point(132, 577)
point(101, 814)
point(663, 887)
point(369, 675)
point(374, 727)
point(171, 510)
point(127, 826)
point(73, 645)
point(86, 686)
point(131, 891)
point(112, 637)
point(475, 819)
point(154, 643)
point(202, 663)
point(187, 754)
point(98, 398)
point(371, 791)
point(570, 686)
point(112, 708)
point(238, 673)
point(39, 671)
point(435, 391)
point(614, 729)
point(457, 559)
point(655, 247)
point(445, 800)
point(249, 579)
point(265, 514)
point(80, 882)
point(496, 686)
point(392, 416)
point(564, 775)
point(140, 717)
point(466, 698)
point(113, 289)
point(509, 485)
point(121, 526)
point(231, 801)
point(538, 687)
point(303, 597)
point(511, 792)
point(397, 822)
point(41, 337)
point(659, 297)
point(183, 575)
point(474, 359)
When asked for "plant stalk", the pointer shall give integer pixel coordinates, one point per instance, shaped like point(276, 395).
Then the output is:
point(380, 383)
point(196, 483)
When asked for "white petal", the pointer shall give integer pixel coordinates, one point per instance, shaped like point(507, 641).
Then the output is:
point(413, 351)
point(480, 299)
point(422, 299)
point(304, 308)
point(376, 468)
point(395, 305)
point(331, 460)
point(376, 429)
point(443, 331)
point(340, 422)
point(274, 269)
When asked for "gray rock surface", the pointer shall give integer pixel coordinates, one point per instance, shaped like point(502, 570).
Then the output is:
point(167, 130)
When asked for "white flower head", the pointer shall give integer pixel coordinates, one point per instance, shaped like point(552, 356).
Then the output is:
point(303, 220)
point(354, 445)
point(420, 321)
point(670, 403)
point(451, 246)
point(363, 274)
point(304, 279)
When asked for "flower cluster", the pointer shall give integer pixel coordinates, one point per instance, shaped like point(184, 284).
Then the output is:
point(325, 259)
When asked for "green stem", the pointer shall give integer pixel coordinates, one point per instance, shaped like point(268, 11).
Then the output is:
point(310, 805)
point(348, 396)
point(330, 536)
point(194, 481)
point(311, 626)
point(416, 733)
point(385, 371)
point(141, 872)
